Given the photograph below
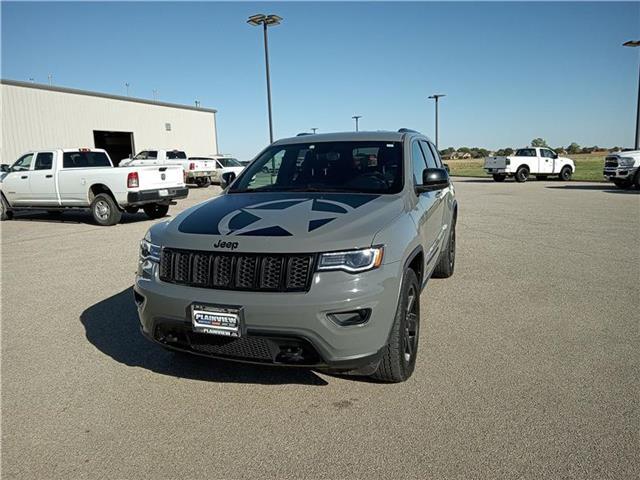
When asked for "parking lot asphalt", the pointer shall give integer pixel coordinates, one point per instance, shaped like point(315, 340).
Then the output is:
point(528, 365)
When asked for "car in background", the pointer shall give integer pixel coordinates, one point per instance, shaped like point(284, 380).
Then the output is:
point(541, 162)
point(58, 180)
point(623, 169)
point(197, 170)
point(227, 169)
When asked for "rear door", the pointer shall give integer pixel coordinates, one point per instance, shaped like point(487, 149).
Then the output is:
point(42, 181)
point(15, 184)
point(439, 195)
point(546, 161)
point(426, 215)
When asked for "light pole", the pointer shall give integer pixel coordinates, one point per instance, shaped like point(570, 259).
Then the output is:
point(266, 21)
point(436, 97)
point(356, 118)
point(50, 77)
point(155, 94)
point(636, 43)
point(127, 86)
point(314, 129)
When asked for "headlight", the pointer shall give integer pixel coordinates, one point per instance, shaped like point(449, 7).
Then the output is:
point(352, 261)
point(626, 162)
point(149, 251)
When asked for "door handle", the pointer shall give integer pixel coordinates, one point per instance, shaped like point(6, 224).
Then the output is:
point(49, 176)
point(24, 176)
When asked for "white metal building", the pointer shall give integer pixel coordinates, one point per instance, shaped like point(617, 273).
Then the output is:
point(36, 116)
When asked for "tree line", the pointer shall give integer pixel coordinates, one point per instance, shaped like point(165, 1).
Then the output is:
point(477, 152)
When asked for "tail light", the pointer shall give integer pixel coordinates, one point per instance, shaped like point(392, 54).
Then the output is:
point(192, 166)
point(132, 180)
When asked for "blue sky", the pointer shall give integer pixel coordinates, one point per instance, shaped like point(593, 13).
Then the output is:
point(511, 71)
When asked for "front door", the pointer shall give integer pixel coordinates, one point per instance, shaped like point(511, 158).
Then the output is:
point(42, 181)
point(546, 161)
point(15, 185)
point(425, 213)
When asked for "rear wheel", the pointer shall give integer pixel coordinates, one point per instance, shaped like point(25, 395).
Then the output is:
point(155, 210)
point(498, 177)
point(565, 174)
point(522, 175)
point(5, 211)
point(447, 261)
point(104, 210)
point(399, 355)
point(637, 180)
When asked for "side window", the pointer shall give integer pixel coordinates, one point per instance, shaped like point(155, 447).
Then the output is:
point(218, 164)
point(44, 161)
point(436, 155)
point(23, 163)
point(152, 155)
point(428, 154)
point(417, 162)
point(546, 153)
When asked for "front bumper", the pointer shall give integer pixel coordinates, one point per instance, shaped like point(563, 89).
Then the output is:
point(621, 173)
point(157, 195)
point(275, 321)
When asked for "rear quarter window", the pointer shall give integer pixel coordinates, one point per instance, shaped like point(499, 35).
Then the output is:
point(176, 155)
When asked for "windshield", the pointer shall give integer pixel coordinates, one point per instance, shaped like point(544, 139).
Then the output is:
point(229, 162)
point(359, 167)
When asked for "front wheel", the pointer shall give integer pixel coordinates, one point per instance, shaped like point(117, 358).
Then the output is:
point(155, 210)
point(522, 175)
point(565, 174)
point(104, 210)
point(399, 355)
point(499, 177)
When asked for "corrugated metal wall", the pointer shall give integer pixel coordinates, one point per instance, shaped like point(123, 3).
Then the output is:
point(35, 118)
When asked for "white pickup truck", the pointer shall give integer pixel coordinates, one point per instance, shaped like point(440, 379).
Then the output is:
point(60, 179)
point(541, 162)
point(196, 170)
point(623, 169)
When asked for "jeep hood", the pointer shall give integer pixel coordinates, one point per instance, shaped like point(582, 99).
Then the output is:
point(281, 222)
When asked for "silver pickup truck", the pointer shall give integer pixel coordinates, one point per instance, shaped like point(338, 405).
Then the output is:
point(82, 178)
point(314, 256)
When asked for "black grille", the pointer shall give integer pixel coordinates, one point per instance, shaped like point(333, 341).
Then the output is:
point(237, 271)
point(254, 348)
point(611, 162)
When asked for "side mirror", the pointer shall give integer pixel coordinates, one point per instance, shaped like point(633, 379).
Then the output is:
point(227, 178)
point(4, 167)
point(130, 156)
point(446, 167)
point(433, 179)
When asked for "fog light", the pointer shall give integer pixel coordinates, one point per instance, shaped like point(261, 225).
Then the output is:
point(354, 317)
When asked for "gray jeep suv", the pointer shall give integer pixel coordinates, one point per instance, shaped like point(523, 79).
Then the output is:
point(314, 256)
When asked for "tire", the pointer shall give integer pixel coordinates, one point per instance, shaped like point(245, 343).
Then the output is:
point(498, 177)
point(624, 184)
point(5, 211)
point(522, 175)
point(155, 210)
point(131, 210)
point(541, 177)
point(447, 262)
point(636, 182)
point(565, 174)
point(399, 354)
point(104, 210)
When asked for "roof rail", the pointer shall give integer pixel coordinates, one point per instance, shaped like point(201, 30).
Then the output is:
point(407, 130)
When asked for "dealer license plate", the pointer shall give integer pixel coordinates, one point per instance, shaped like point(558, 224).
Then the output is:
point(216, 320)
